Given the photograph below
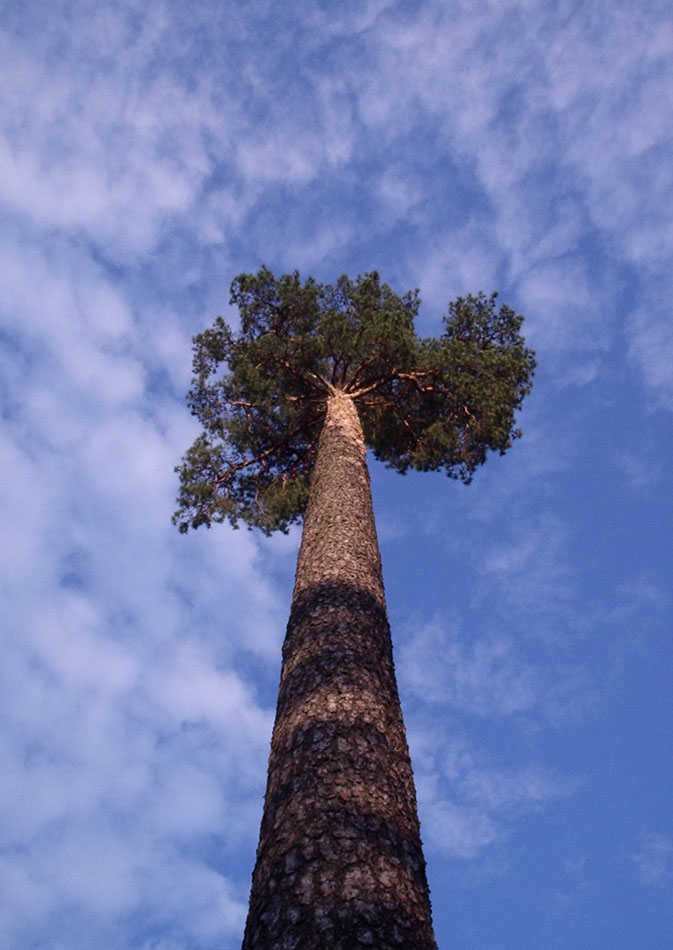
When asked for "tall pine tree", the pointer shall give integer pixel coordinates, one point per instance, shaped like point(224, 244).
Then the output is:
point(289, 404)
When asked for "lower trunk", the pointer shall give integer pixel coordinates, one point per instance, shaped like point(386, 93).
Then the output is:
point(339, 863)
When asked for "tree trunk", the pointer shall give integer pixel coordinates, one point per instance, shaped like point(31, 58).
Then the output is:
point(339, 862)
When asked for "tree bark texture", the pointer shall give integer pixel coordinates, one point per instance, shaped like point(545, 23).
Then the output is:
point(339, 862)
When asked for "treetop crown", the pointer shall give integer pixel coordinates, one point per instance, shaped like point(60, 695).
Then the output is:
point(260, 393)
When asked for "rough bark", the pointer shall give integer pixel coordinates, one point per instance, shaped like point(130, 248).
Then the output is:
point(339, 862)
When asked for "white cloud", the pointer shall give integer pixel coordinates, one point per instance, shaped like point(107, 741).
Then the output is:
point(468, 804)
point(127, 730)
point(654, 860)
point(529, 787)
point(561, 305)
point(640, 469)
point(651, 348)
point(463, 832)
point(485, 678)
point(122, 744)
point(533, 568)
point(565, 128)
point(397, 193)
point(456, 262)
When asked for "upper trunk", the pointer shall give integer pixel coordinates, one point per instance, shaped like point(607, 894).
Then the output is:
point(339, 863)
point(339, 538)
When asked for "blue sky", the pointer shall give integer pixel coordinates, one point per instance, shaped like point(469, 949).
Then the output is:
point(148, 154)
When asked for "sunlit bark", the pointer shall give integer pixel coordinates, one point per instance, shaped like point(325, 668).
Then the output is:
point(339, 863)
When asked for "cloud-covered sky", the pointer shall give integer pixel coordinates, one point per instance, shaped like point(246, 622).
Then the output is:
point(148, 154)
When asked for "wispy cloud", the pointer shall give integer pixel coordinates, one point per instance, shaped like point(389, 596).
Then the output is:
point(533, 568)
point(654, 860)
point(485, 677)
point(468, 803)
point(122, 711)
point(651, 348)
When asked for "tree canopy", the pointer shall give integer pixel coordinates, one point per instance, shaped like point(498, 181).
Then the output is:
point(260, 393)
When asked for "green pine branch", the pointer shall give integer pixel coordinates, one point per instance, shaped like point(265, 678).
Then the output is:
point(260, 393)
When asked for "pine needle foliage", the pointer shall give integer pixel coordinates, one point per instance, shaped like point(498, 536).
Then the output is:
point(260, 393)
